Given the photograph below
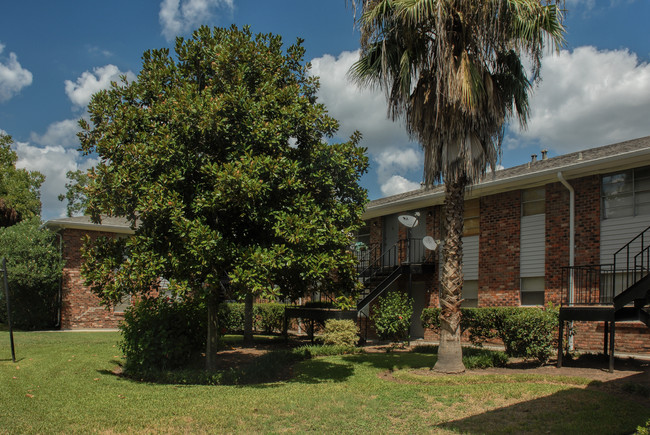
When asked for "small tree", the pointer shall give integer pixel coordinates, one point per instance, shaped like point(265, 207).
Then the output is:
point(34, 267)
point(218, 160)
point(392, 316)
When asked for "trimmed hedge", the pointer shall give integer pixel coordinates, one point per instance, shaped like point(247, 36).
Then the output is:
point(340, 333)
point(525, 332)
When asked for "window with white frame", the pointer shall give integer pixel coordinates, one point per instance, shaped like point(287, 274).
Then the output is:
point(533, 201)
point(626, 193)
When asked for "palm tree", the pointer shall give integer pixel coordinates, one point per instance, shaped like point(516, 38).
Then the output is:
point(452, 70)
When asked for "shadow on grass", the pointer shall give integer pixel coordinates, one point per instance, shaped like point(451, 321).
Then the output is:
point(599, 408)
point(316, 371)
point(392, 361)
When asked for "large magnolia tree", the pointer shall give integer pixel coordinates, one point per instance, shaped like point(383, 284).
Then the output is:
point(218, 158)
point(453, 71)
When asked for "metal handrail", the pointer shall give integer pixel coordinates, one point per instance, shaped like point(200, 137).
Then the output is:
point(633, 276)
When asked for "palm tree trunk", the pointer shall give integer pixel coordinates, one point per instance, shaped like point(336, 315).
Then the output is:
point(450, 356)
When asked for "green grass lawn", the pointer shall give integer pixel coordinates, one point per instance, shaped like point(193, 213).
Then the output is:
point(63, 383)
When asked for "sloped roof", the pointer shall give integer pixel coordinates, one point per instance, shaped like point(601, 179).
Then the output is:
point(605, 159)
point(108, 224)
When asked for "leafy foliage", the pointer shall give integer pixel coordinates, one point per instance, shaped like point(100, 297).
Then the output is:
point(267, 317)
point(75, 192)
point(392, 316)
point(20, 196)
point(340, 333)
point(162, 333)
point(218, 159)
point(34, 267)
point(525, 332)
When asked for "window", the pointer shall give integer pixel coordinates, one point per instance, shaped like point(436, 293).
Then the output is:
point(626, 193)
point(469, 294)
point(533, 201)
point(471, 218)
point(123, 305)
point(532, 291)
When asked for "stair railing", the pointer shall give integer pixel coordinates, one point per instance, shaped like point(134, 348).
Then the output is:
point(388, 259)
point(632, 261)
point(587, 285)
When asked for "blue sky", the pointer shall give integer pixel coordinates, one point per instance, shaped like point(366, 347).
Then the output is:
point(54, 55)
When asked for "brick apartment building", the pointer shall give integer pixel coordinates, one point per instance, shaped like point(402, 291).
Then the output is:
point(518, 232)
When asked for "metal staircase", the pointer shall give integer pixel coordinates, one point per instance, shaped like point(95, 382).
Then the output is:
point(617, 292)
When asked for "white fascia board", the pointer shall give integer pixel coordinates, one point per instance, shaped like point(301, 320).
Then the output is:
point(63, 225)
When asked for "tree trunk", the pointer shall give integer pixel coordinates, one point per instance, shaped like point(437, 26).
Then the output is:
point(450, 356)
point(213, 333)
point(248, 320)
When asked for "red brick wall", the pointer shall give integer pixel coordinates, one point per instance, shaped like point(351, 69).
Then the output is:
point(499, 245)
point(80, 308)
point(587, 230)
point(630, 337)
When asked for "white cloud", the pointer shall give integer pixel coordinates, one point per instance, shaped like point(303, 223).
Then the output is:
point(397, 160)
point(356, 109)
point(588, 98)
point(179, 16)
point(80, 91)
point(53, 162)
point(398, 184)
point(63, 133)
point(13, 77)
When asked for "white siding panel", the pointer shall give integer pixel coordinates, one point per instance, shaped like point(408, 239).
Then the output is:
point(616, 233)
point(533, 242)
point(470, 257)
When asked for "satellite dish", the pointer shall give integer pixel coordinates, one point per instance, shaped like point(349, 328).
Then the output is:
point(408, 221)
point(430, 243)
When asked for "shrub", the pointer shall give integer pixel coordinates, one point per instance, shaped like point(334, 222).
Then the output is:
point(34, 267)
point(269, 317)
point(525, 332)
point(162, 333)
point(340, 333)
point(528, 333)
point(231, 317)
point(392, 316)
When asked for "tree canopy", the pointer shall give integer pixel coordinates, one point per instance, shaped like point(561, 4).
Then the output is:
point(20, 196)
point(218, 158)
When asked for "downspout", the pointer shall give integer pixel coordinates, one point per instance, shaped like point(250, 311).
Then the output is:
point(572, 217)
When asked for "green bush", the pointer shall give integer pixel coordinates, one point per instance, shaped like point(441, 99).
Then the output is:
point(269, 317)
point(528, 333)
point(340, 333)
point(525, 332)
point(231, 317)
point(162, 333)
point(34, 268)
point(392, 316)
